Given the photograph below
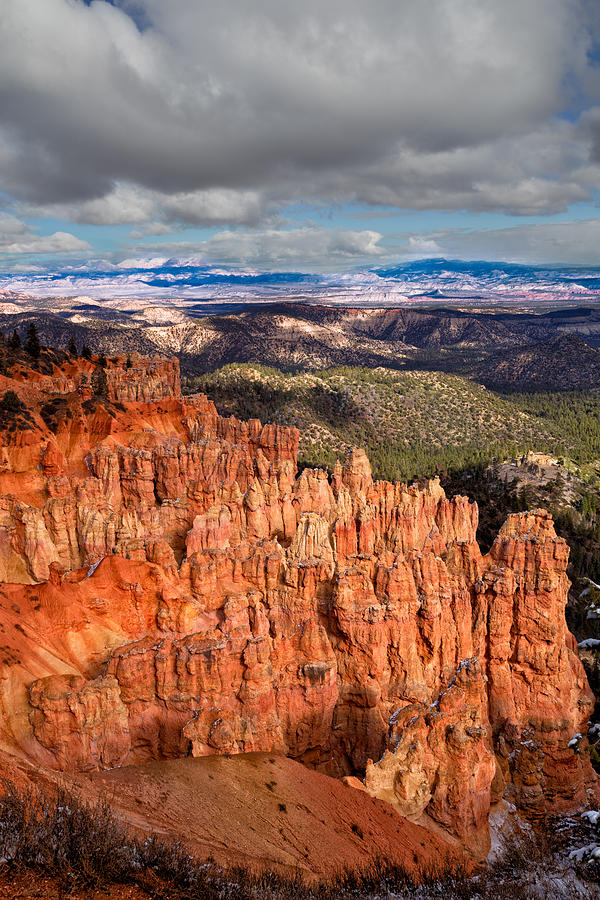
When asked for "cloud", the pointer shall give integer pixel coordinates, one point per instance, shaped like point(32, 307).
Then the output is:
point(224, 113)
point(18, 238)
point(148, 228)
point(307, 248)
point(541, 172)
point(127, 204)
point(571, 243)
point(423, 246)
point(331, 250)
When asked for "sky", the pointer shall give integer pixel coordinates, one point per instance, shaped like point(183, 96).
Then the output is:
point(326, 135)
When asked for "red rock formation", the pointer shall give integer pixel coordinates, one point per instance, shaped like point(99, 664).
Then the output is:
point(176, 589)
point(143, 380)
point(440, 761)
point(83, 723)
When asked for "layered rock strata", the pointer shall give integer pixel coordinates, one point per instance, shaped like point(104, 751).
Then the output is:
point(173, 587)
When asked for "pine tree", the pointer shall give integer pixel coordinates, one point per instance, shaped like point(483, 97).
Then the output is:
point(86, 353)
point(15, 341)
point(32, 342)
point(72, 348)
point(100, 382)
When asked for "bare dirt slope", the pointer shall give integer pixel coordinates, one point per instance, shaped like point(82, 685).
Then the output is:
point(264, 812)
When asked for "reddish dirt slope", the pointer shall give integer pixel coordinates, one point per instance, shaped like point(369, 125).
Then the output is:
point(263, 811)
point(255, 810)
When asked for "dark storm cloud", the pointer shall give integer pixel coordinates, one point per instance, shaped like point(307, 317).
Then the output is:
point(202, 112)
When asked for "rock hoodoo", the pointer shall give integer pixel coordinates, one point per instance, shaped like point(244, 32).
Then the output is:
point(172, 587)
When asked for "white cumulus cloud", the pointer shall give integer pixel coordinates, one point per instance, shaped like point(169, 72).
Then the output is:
point(18, 238)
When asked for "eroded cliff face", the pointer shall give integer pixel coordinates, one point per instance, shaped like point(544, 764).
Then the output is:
point(173, 587)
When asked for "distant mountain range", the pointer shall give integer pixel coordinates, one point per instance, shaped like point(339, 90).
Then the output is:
point(429, 280)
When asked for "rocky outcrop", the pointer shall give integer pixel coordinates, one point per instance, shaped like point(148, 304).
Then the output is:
point(183, 592)
point(84, 724)
point(139, 380)
point(538, 693)
point(440, 761)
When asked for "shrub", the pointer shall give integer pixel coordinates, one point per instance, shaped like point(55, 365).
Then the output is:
point(10, 402)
